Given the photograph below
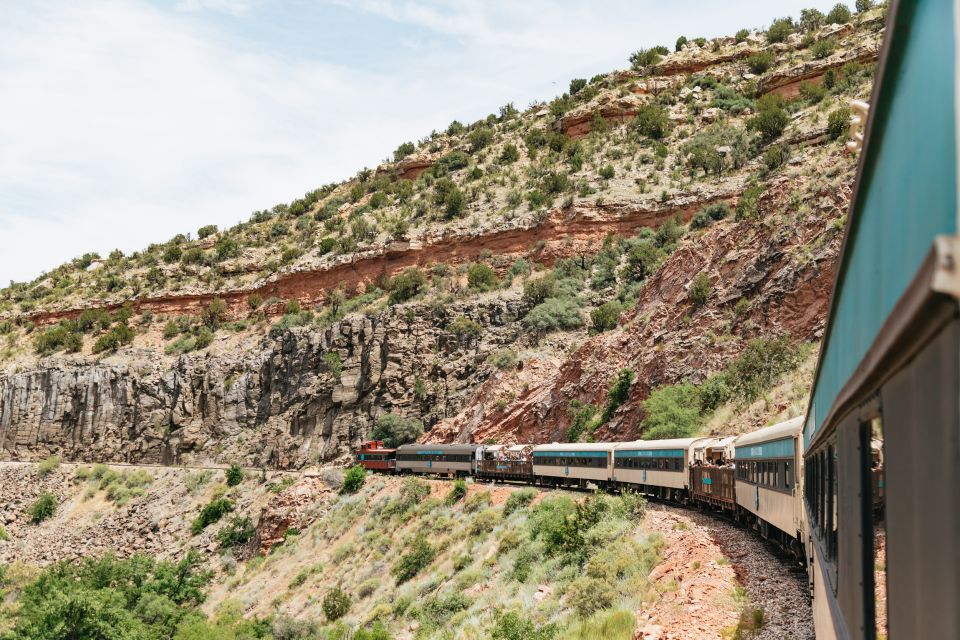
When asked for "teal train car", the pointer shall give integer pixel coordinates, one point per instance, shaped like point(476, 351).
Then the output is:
point(885, 406)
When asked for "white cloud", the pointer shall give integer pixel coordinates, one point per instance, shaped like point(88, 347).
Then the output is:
point(123, 123)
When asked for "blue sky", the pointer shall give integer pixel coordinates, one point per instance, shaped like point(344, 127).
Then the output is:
point(125, 123)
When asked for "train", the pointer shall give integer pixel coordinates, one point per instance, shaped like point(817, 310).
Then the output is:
point(868, 481)
point(754, 478)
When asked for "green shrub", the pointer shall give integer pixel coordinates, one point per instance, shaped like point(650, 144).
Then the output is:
point(112, 599)
point(94, 320)
point(588, 594)
point(776, 156)
point(771, 118)
point(403, 151)
point(457, 492)
point(513, 626)
point(741, 35)
point(812, 93)
point(699, 291)
point(510, 154)
point(748, 207)
point(396, 430)
point(481, 277)
point(211, 513)
point(206, 231)
point(760, 62)
point(606, 316)
point(652, 120)
point(234, 475)
point(810, 20)
point(476, 502)
point(5, 537)
point(238, 532)
point(214, 313)
point(465, 329)
point(779, 30)
point(353, 479)
point(823, 49)
point(839, 14)
point(681, 41)
point(63, 336)
point(714, 391)
point(609, 625)
point(863, 5)
point(618, 393)
point(838, 122)
point(42, 508)
point(643, 58)
point(120, 335)
point(536, 290)
point(519, 499)
point(505, 359)
point(760, 364)
point(480, 138)
point(418, 556)
point(336, 604)
point(672, 411)
point(554, 314)
point(48, 466)
point(607, 172)
point(451, 162)
point(407, 284)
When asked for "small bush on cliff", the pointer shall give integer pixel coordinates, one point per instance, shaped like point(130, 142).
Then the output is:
point(407, 284)
point(672, 411)
point(42, 508)
point(618, 393)
point(336, 604)
point(120, 335)
point(353, 479)
point(652, 120)
point(418, 557)
point(396, 430)
point(403, 151)
point(457, 492)
point(517, 500)
point(837, 122)
point(481, 277)
point(606, 316)
point(234, 475)
point(839, 14)
point(771, 118)
point(760, 364)
point(214, 313)
point(63, 336)
point(760, 62)
point(643, 58)
point(780, 29)
point(238, 532)
point(505, 359)
point(700, 289)
point(211, 514)
point(48, 466)
point(554, 314)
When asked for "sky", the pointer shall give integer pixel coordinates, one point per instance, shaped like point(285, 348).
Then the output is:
point(124, 123)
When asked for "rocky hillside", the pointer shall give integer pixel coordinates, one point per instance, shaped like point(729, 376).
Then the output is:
point(580, 269)
point(400, 558)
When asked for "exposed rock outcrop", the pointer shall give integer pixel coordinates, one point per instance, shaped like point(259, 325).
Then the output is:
point(278, 405)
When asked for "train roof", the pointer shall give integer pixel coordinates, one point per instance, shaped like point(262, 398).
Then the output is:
point(647, 445)
point(576, 446)
point(779, 431)
point(431, 446)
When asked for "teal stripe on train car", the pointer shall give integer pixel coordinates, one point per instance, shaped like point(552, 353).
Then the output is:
point(776, 449)
point(431, 453)
point(905, 197)
point(571, 454)
point(649, 453)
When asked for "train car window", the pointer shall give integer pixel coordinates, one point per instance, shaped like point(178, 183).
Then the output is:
point(872, 457)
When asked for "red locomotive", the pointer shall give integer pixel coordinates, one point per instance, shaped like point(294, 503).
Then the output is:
point(376, 457)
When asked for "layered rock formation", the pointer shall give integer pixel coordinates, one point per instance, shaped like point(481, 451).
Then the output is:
point(279, 404)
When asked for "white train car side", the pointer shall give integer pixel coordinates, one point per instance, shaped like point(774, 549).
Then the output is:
point(573, 464)
point(654, 467)
point(768, 480)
